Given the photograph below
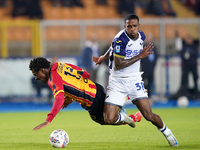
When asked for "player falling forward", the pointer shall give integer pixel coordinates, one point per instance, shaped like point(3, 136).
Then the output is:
point(125, 76)
point(71, 83)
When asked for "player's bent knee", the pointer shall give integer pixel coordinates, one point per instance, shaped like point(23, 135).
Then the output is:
point(108, 121)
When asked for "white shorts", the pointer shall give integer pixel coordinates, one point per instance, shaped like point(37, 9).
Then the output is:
point(119, 88)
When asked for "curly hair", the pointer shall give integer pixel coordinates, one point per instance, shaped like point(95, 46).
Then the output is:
point(39, 62)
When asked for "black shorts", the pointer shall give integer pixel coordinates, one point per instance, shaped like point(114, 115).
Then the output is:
point(96, 112)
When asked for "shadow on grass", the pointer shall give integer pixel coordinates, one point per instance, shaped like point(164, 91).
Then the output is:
point(26, 146)
point(182, 147)
point(95, 146)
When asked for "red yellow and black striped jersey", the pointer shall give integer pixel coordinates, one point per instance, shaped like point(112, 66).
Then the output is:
point(73, 81)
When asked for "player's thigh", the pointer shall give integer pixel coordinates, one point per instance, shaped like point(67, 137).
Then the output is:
point(117, 92)
point(116, 98)
point(137, 91)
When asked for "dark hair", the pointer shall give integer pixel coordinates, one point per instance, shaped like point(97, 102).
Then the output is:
point(131, 16)
point(39, 62)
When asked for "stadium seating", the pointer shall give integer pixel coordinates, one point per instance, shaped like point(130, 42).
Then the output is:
point(91, 10)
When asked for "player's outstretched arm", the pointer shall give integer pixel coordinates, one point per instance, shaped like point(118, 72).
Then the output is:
point(44, 124)
point(99, 60)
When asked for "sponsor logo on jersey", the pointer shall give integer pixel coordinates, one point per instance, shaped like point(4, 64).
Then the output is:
point(118, 41)
point(130, 45)
point(132, 53)
point(117, 49)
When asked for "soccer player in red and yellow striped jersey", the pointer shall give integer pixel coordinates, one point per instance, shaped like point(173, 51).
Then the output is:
point(69, 83)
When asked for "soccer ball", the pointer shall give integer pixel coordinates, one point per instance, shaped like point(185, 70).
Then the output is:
point(182, 101)
point(59, 138)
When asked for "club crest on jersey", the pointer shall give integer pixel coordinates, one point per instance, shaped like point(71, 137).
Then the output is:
point(117, 49)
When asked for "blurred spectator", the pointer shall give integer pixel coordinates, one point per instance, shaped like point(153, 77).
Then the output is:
point(194, 5)
point(168, 8)
point(30, 8)
point(160, 8)
point(178, 42)
point(191, 4)
point(34, 9)
point(19, 8)
point(189, 55)
point(2, 3)
point(106, 47)
point(198, 7)
point(142, 3)
point(38, 85)
point(101, 2)
point(55, 3)
point(67, 3)
point(91, 49)
point(155, 7)
point(106, 62)
point(125, 7)
point(148, 66)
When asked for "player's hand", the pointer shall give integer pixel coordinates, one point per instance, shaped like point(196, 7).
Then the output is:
point(68, 101)
point(44, 124)
point(98, 60)
point(146, 51)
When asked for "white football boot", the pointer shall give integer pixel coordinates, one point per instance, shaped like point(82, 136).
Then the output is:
point(127, 119)
point(171, 139)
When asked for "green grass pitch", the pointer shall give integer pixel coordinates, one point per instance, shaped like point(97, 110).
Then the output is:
point(16, 131)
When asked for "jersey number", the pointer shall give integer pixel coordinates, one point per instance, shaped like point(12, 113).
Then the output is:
point(77, 76)
point(71, 73)
point(139, 86)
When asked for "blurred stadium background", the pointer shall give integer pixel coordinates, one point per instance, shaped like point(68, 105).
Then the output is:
point(49, 28)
